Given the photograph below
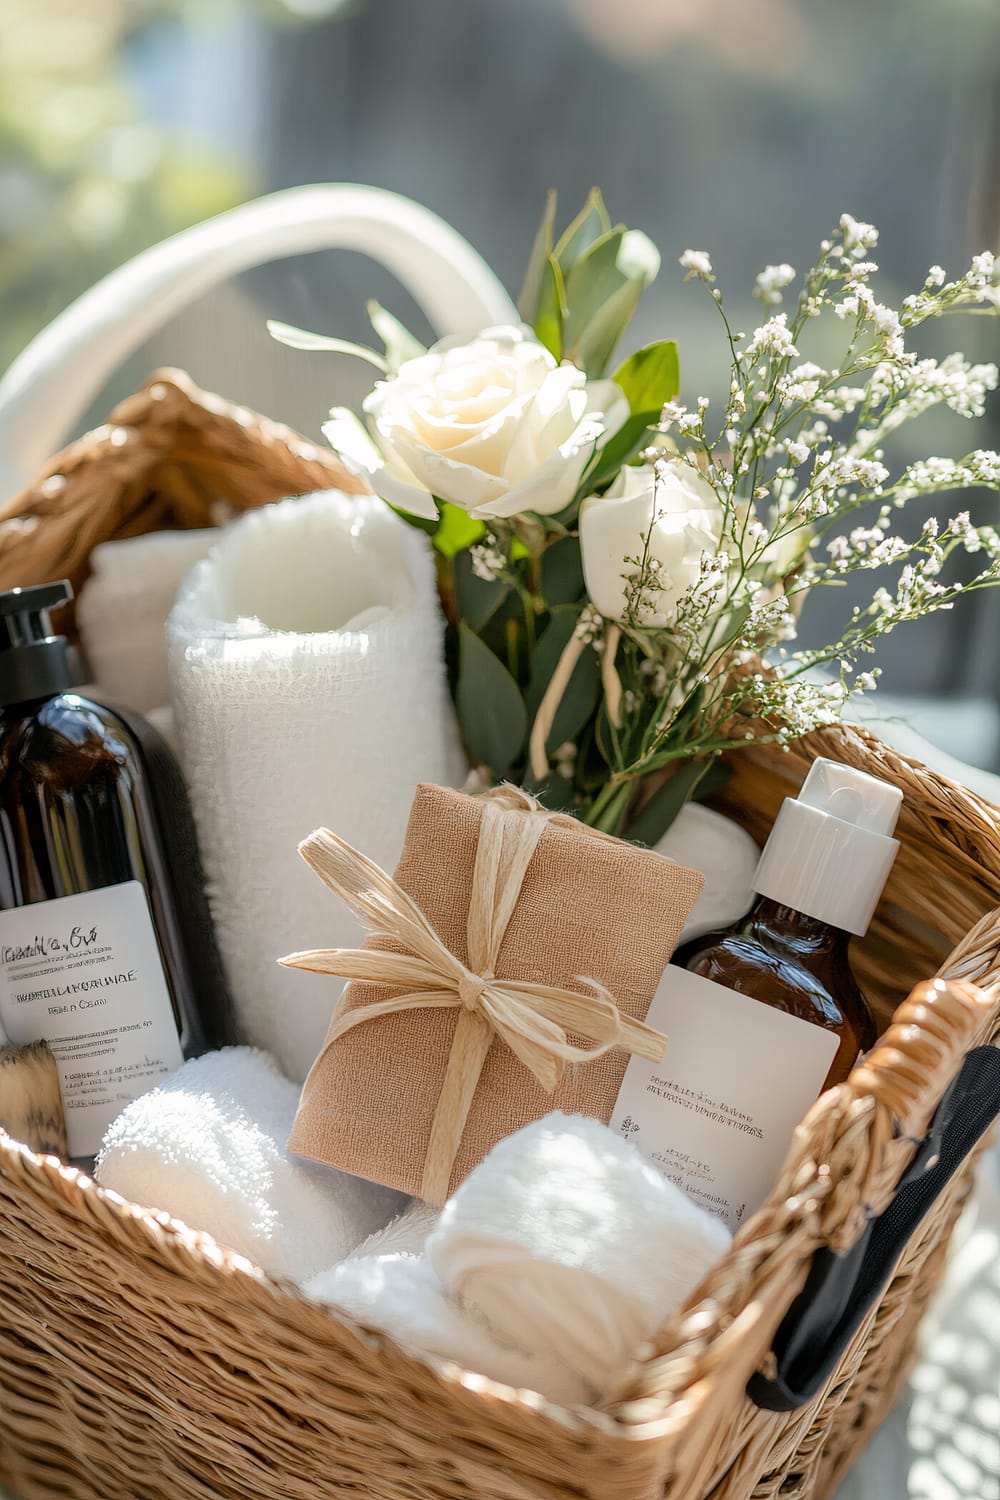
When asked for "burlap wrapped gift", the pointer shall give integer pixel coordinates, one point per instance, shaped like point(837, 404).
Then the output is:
point(509, 969)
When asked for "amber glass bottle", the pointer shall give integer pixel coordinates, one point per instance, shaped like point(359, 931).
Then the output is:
point(106, 948)
point(818, 882)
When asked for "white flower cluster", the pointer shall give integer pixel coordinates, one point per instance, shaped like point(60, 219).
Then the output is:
point(771, 282)
point(798, 453)
point(697, 263)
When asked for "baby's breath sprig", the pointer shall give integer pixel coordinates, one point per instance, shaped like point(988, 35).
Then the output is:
point(798, 454)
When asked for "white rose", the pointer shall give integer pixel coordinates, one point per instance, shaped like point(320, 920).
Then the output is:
point(495, 426)
point(671, 505)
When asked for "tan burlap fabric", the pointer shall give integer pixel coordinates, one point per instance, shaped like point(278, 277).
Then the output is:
point(589, 908)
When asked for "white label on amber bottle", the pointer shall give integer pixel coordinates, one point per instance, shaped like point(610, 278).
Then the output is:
point(83, 973)
point(717, 1114)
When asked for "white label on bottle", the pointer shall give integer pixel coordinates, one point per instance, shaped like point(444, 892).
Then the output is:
point(717, 1114)
point(83, 973)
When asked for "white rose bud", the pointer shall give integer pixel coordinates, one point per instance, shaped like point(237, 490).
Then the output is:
point(495, 426)
point(672, 506)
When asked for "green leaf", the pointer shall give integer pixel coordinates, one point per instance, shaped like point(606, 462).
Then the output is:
point(477, 599)
point(599, 337)
point(662, 808)
point(591, 281)
point(562, 572)
point(590, 224)
point(456, 530)
point(551, 314)
point(490, 708)
point(301, 338)
point(626, 443)
point(584, 688)
point(529, 299)
point(650, 377)
point(400, 343)
point(602, 291)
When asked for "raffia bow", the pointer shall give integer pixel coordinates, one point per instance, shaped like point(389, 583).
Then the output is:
point(533, 1020)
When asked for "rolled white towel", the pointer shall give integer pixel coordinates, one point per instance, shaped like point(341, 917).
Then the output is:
point(307, 666)
point(401, 1295)
point(405, 1235)
point(571, 1243)
point(726, 855)
point(123, 608)
point(207, 1147)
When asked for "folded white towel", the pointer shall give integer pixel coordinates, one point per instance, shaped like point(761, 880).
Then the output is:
point(207, 1147)
point(727, 857)
point(123, 608)
point(306, 658)
point(570, 1242)
point(401, 1295)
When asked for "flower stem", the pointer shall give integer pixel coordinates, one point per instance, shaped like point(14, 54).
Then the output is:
point(607, 811)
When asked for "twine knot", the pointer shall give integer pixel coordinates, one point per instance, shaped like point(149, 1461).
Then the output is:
point(470, 989)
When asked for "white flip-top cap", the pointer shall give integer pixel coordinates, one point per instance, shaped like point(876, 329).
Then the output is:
point(831, 848)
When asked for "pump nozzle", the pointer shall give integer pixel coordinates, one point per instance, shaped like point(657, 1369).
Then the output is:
point(33, 660)
point(831, 850)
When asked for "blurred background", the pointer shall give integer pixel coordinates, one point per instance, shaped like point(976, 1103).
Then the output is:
point(743, 129)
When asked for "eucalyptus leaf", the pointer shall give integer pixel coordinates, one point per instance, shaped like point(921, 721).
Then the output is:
point(477, 599)
point(650, 377)
point(590, 281)
point(583, 690)
point(562, 572)
point(596, 342)
point(490, 708)
point(530, 296)
point(590, 224)
point(649, 825)
point(400, 343)
point(301, 338)
point(551, 315)
point(456, 530)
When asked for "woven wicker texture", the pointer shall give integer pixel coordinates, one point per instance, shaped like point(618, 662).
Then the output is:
point(169, 457)
point(138, 1361)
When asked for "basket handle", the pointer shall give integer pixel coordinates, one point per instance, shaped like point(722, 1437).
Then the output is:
point(51, 383)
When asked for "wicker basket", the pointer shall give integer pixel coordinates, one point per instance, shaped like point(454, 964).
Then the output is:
point(138, 1361)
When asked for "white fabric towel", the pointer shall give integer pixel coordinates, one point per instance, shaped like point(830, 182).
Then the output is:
point(207, 1147)
point(306, 657)
point(571, 1243)
point(401, 1295)
point(405, 1235)
point(727, 857)
point(123, 608)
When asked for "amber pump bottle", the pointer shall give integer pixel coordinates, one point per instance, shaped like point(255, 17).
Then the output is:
point(759, 1019)
point(818, 882)
point(106, 948)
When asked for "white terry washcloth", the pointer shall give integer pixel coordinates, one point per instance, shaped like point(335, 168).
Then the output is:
point(207, 1147)
point(569, 1241)
point(400, 1294)
point(725, 854)
point(122, 612)
point(307, 666)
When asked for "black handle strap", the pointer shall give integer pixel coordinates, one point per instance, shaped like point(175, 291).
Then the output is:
point(841, 1289)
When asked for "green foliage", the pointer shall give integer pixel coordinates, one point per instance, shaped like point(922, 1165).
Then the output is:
point(583, 693)
point(488, 701)
point(650, 377)
point(579, 293)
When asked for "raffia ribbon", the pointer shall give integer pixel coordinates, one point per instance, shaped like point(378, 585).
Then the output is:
point(533, 1020)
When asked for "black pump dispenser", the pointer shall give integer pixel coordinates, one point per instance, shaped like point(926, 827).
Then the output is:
point(33, 661)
